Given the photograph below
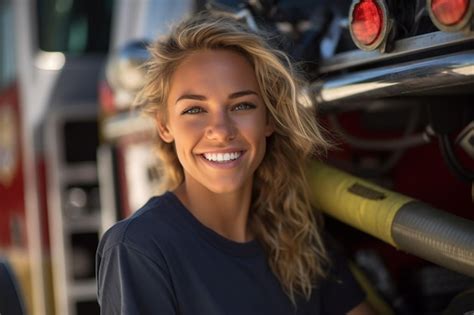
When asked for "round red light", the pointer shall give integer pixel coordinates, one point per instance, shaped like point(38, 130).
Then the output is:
point(367, 19)
point(449, 12)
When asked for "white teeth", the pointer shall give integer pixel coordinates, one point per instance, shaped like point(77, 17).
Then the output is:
point(222, 157)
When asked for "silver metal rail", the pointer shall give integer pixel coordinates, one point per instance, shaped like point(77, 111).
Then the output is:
point(403, 48)
point(403, 79)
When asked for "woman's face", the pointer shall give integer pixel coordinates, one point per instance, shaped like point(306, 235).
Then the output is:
point(217, 120)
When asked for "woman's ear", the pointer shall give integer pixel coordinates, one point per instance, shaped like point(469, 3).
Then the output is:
point(269, 127)
point(164, 131)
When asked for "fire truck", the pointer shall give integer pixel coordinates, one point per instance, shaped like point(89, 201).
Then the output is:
point(393, 82)
point(50, 64)
point(53, 56)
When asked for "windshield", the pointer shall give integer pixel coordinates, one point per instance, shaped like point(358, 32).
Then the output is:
point(74, 26)
point(7, 54)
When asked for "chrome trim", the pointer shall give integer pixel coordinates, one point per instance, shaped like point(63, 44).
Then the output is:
point(403, 47)
point(126, 123)
point(107, 191)
point(406, 78)
point(124, 70)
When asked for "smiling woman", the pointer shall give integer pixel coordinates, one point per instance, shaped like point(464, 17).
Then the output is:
point(235, 232)
point(209, 119)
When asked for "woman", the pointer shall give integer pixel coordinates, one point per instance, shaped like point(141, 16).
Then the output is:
point(235, 232)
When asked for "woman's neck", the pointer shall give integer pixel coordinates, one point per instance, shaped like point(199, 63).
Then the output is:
point(224, 213)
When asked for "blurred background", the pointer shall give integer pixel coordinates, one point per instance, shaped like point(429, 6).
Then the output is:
point(393, 81)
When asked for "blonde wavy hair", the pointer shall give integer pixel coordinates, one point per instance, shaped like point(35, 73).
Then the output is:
point(281, 215)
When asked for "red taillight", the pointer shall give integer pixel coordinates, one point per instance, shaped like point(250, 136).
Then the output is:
point(367, 20)
point(370, 24)
point(449, 12)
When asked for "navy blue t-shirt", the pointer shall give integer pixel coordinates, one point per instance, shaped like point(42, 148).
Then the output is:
point(162, 260)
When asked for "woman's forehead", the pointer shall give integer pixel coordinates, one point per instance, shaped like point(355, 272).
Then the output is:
point(212, 71)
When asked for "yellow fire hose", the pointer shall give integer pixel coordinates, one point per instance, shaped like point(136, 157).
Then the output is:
point(401, 221)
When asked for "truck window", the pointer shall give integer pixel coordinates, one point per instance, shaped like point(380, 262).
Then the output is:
point(74, 26)
point(7, 45)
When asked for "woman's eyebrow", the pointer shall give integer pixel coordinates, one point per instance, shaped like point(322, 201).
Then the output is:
point(203, 98)
point(191, 97)
point(242, 93)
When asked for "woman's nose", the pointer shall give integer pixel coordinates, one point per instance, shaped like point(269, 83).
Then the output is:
point(221, 128)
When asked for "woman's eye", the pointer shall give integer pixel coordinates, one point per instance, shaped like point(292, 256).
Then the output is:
point(244, 106)
point(192, 110)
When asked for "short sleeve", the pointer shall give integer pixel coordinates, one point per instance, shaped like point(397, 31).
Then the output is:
point(340, 292)
point(131, 283)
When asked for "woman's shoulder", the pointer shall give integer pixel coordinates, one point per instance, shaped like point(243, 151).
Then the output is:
point(150, 226)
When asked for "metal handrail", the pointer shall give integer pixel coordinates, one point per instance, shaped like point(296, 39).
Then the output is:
point(403, 79)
